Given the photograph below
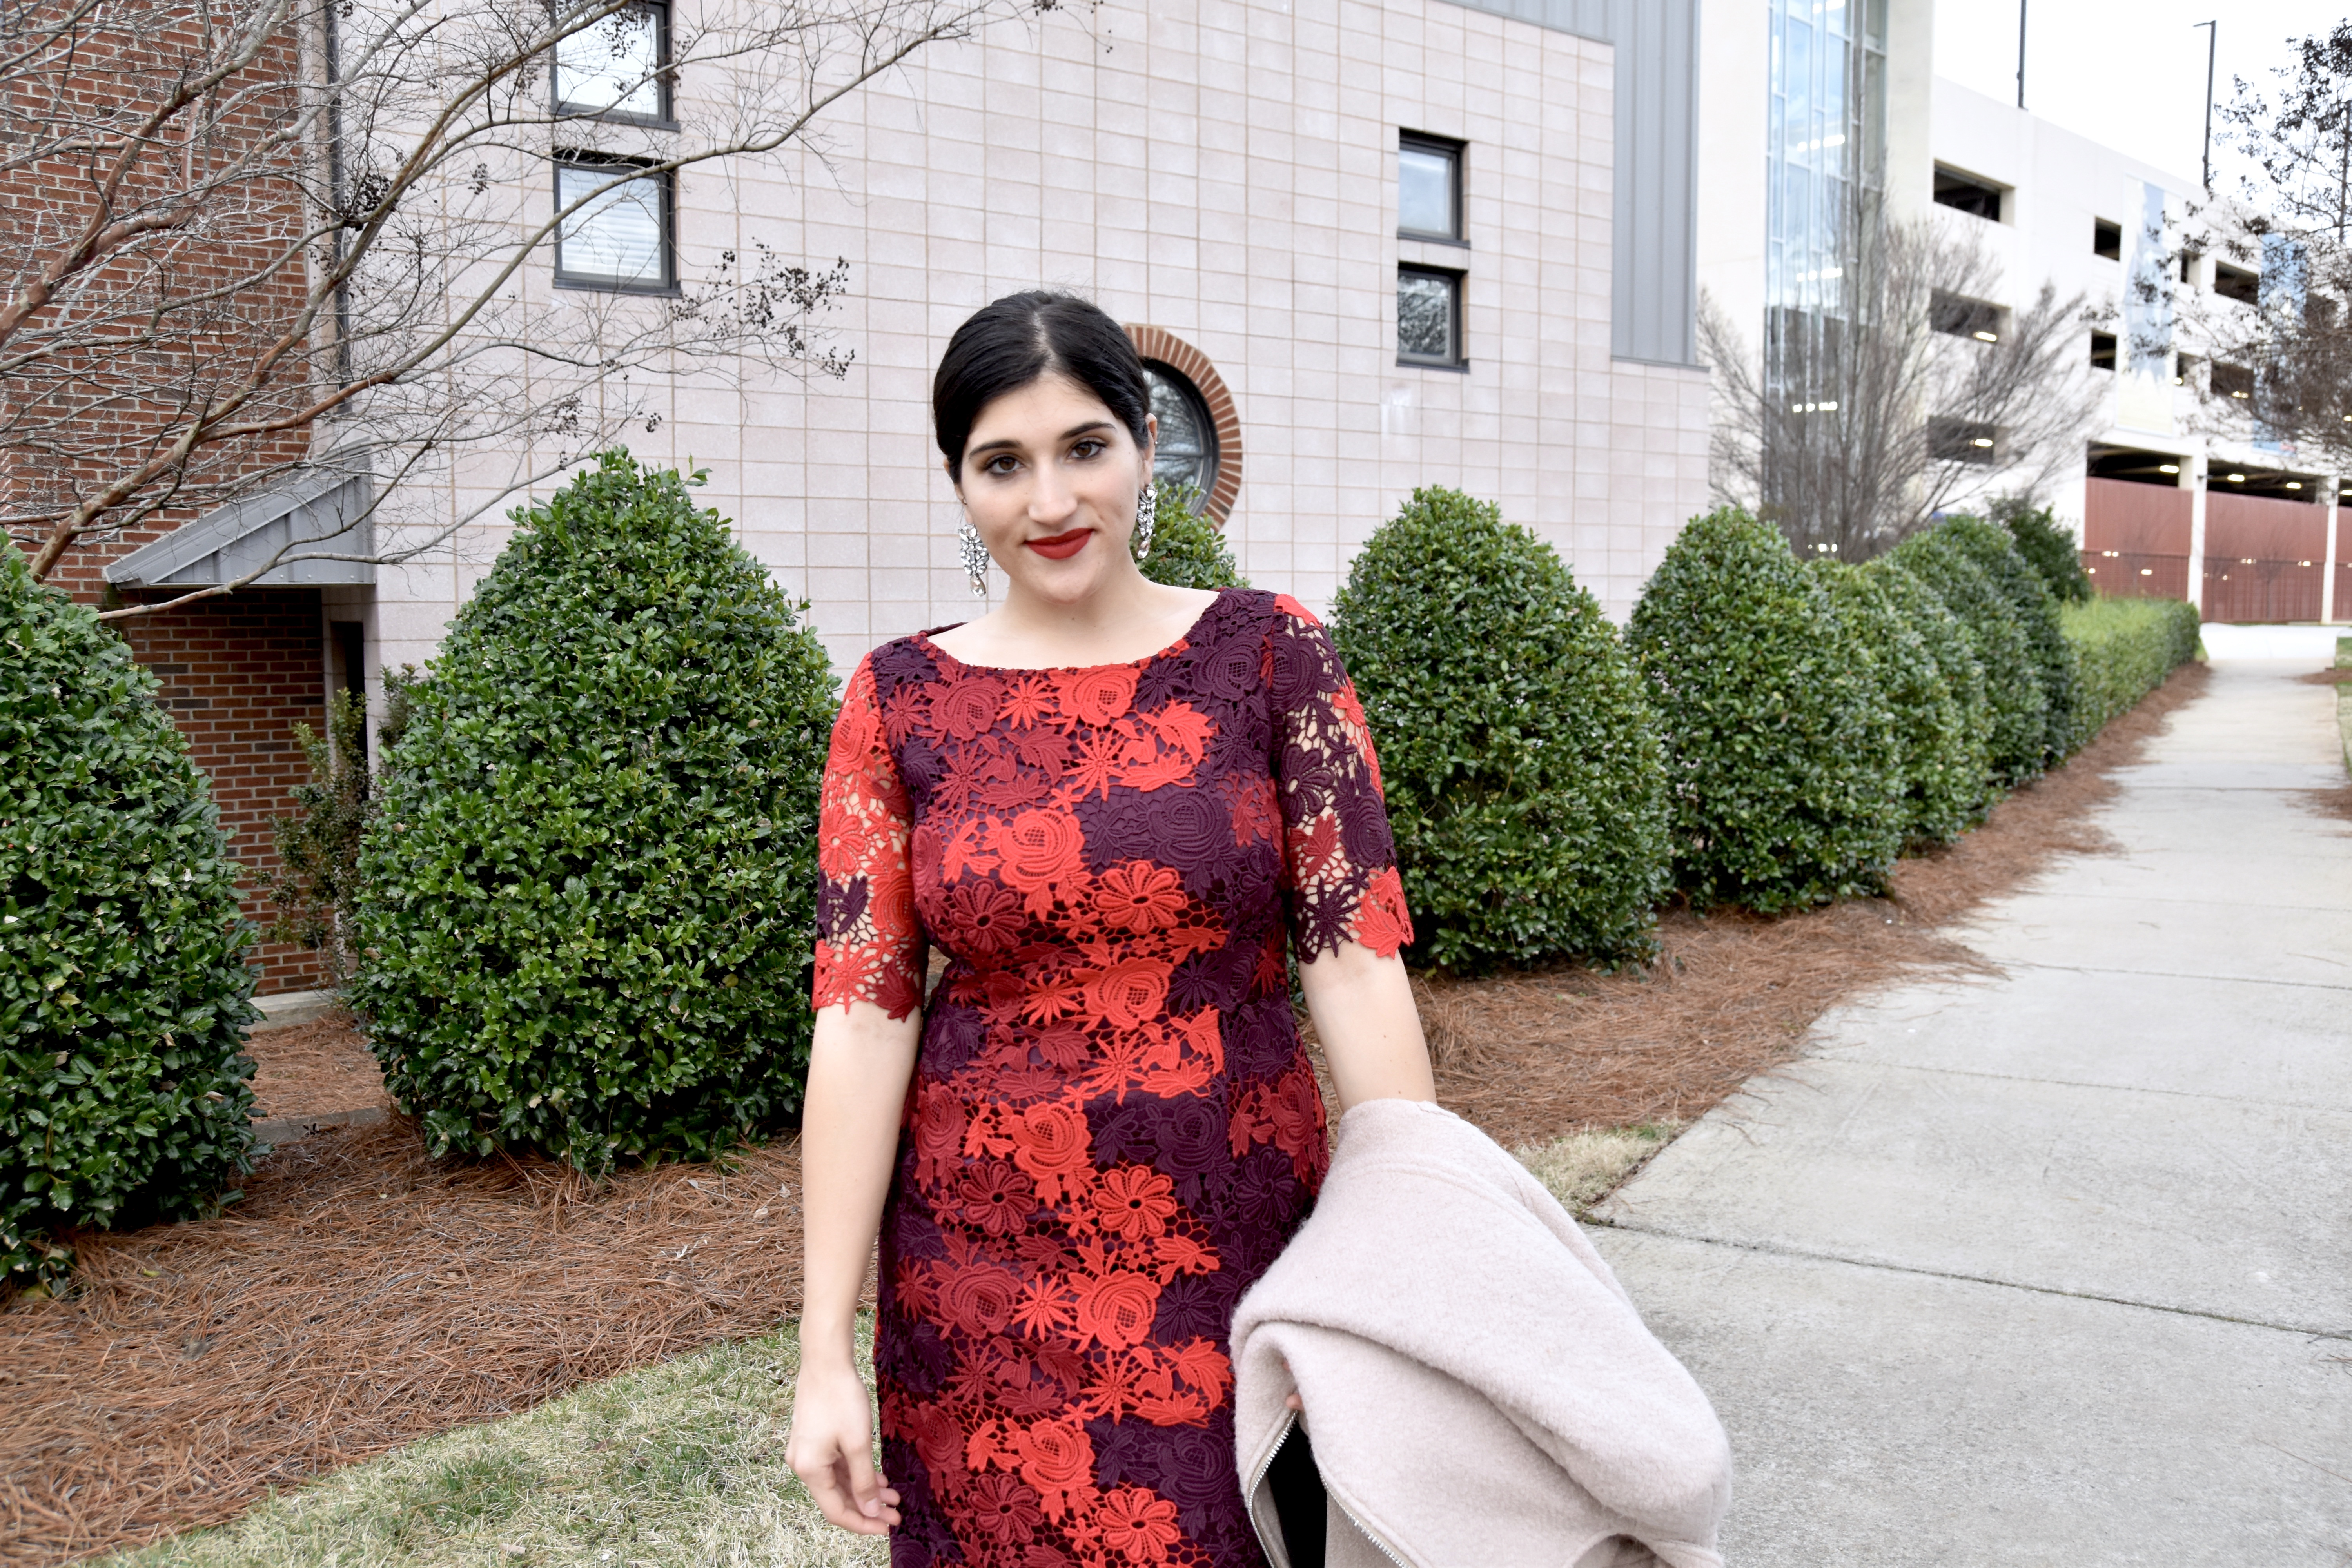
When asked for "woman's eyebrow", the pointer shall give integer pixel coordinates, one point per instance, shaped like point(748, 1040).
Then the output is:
point(1007, 444)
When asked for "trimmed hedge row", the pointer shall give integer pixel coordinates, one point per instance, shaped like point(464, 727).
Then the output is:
point(1808, 723)
point(2128, 647)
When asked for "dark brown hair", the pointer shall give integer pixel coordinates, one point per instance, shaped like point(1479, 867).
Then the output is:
point(1008, 344)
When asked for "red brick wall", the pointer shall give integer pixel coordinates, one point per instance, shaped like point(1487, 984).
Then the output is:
point(236, 673)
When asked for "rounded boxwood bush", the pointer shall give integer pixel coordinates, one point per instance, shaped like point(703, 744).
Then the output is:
point(1187, 551)
point(123, 990)
point(1520, 761)
point(587, 902)
point(1780, 752)
point(2019, 711)
point(1941, 771)
point(1993, 549)
point(1947, 779)
point(2048, 547)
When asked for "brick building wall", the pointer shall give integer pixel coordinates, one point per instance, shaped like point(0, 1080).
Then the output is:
point(237, 674)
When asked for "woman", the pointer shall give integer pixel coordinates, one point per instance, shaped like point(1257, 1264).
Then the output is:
point(1110, 803)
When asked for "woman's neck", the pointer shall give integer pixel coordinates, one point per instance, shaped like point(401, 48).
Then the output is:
point(1127, 619)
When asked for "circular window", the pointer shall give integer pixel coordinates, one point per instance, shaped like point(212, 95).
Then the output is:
point(1187, 448)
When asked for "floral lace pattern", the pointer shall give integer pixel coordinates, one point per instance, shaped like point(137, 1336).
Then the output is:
point(1113, 1128)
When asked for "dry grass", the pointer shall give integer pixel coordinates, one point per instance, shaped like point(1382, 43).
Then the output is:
point(679, 1465)
point(361, 1296)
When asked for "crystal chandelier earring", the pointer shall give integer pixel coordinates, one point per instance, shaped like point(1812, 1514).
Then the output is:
point(975, 558)
point(1147, 512)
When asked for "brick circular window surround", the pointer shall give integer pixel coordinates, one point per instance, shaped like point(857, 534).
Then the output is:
point(1159, 343)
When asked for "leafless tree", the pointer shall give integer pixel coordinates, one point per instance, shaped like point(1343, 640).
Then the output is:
point(1852, 426)
point(246, 241)
point(2276, 334)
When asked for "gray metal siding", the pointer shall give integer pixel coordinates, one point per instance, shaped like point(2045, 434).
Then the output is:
point(1654, 304)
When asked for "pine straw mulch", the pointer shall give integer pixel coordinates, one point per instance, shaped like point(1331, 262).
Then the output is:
point(1534, 1054)
point(315, 1069)
point(361, 1296)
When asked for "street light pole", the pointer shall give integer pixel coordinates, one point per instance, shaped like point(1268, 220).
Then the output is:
point(2212, 41)
point(2020, 54)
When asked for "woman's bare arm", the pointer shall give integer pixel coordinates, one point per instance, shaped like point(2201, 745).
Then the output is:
point(859, 1065)
point(1364, 1013)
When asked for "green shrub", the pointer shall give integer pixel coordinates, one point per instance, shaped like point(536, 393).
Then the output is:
point(1520, 760)
point(1995, 552)
point(1187, 551)
point(1780, 751)
point(319, 846)
point(2126, 646)
point(1940, 745)
point(587, 905)
point(2020, 711)
point(2048, 548)
point(1958, 798)
point(123, 990)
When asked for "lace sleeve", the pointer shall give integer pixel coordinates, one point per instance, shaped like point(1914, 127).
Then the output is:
point(1340, 863)
point(870, 946)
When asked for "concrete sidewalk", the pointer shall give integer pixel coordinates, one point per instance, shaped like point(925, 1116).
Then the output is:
point(2055, 1267)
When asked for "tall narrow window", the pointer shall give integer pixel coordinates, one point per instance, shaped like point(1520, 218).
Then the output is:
point(620, 237)
point(1429, 188)
point(1429, 317)
point(614, 69)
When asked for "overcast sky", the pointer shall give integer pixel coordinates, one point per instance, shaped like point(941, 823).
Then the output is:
point(2127, 73)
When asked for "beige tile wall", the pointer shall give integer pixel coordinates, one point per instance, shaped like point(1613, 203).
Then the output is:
point(1226, 170)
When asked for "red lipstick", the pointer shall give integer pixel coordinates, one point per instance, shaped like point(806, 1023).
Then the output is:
point(1062, 546)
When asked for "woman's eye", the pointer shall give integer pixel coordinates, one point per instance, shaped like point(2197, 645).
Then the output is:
point(1002, 463)
point(1091, 447)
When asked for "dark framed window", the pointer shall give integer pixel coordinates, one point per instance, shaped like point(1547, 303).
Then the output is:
point(2232, 380)
point(615, 231)
point(1185, 450)
point(617, 69)
point(1962, 440)
point(1429, 318)
point(2106, 239)
point(1968, 193)
point(2103, 350)
point(1965, 318)
point(1429, 188)
point(2240, 283)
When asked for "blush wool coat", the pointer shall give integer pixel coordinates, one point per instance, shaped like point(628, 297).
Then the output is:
point(1478, 1388)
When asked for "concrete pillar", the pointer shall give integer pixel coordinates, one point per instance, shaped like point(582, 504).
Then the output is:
point(2192, 479)
point(2332, 554)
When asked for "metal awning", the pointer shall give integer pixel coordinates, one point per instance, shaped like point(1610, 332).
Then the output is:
point(326, 510)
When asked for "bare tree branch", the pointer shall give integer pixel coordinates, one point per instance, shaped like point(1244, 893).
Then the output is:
point(1849, 429)
point(283, 235)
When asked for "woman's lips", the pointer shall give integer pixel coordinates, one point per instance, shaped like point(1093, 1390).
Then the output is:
point(1062, 546)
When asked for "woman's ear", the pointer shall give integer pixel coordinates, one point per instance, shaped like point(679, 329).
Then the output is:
point(1150, 443)
point(948, 467)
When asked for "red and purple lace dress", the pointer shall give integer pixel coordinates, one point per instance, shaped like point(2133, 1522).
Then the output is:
point(1112, 1129)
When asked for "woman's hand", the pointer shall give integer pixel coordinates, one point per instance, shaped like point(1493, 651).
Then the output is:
point(859, 1064)
point(831, 1447)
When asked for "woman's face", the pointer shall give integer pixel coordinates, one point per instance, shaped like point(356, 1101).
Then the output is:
point(1051, 479)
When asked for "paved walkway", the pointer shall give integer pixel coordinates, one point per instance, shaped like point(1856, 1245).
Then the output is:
point(2055, 1267)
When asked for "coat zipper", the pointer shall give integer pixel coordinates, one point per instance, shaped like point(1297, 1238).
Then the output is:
point(1257, 1480)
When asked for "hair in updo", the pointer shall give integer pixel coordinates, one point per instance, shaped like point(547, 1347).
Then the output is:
point(1021, 336)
